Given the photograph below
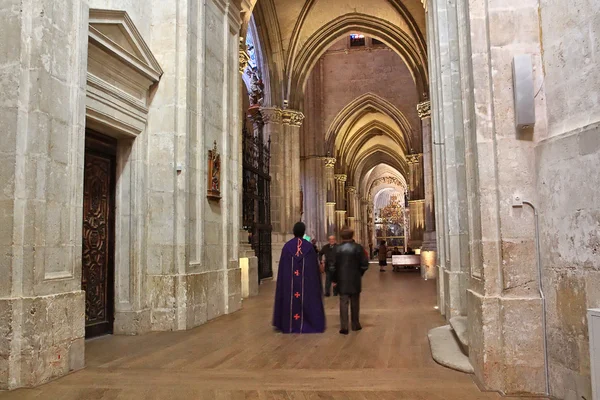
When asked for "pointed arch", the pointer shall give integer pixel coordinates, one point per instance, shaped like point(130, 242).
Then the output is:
point(301, 64)
point(368, 103)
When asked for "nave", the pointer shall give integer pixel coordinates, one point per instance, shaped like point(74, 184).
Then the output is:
point(239, 356)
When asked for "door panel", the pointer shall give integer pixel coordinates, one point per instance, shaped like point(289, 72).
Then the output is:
point(98, 236)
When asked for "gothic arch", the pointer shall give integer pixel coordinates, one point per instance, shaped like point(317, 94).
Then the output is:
point(301, 64)
point(368, 103)
point(397, 4)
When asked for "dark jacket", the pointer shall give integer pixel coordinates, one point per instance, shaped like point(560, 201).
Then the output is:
point(329, 252)
point(350, 265)
point(383, 252)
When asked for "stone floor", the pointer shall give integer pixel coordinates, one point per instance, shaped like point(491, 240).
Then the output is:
point(240, 357)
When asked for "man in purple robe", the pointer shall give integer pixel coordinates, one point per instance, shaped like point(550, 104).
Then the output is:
point(299, 294)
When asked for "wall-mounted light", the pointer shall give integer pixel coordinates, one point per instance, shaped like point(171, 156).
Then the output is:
point(523, 91)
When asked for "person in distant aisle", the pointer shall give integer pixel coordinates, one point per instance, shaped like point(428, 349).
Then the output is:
point(396, 252)
point(328, 251)
point(351, 263)
point(299, 293)
point(410, 251)
point(382, 256)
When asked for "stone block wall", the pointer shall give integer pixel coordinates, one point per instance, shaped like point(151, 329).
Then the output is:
point(177, 266)
point(568, 181)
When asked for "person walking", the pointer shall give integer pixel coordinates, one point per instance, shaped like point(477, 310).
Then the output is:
point(382, 256)
point(328, 252)
point(298, 304)
point(351, 263)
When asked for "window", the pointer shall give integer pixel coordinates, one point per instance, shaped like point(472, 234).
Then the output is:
point(377, 42)
point(357, 40)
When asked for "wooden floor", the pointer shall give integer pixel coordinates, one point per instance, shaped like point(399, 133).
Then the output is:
point(240, 357)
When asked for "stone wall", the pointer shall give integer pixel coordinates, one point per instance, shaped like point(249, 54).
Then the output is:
point(177, 253)
point(567, 165)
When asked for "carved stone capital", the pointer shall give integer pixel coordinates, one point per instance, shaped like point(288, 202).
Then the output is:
point(292, 117)
point(330, 162)
point(424, 109)
point(271, 115)
point(425, 4)
point(341, 177)
point(351, 189)
point(244, 58)
point(414, 158)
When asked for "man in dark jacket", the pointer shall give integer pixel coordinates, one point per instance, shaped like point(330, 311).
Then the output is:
point(329, 252)
point(351, 263)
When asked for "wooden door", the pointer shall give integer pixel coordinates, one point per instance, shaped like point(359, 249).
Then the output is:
point(99, 234)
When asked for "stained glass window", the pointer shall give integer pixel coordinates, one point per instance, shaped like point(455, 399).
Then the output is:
point(357, 40)
point(251, 50)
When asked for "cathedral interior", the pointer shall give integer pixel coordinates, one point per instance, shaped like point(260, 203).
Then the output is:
point(156, 155)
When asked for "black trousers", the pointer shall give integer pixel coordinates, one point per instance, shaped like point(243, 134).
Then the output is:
point(354, 301)
point(328, 276)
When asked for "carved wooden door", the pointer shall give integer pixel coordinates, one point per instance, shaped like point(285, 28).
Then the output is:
point(98, 234)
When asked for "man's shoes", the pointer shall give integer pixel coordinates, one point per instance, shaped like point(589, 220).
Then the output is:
point(344, 331)
point(335, 294)
point(327, 295)
point(358, 328)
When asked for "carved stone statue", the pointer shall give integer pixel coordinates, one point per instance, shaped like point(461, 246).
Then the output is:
point(256, 89)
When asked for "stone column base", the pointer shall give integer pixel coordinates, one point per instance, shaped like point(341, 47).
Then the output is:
point(41, 338)
point(180, 302)
point(455, 288)
point(506, 343)
point(428, 268)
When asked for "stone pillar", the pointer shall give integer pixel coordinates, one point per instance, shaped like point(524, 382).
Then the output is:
point(416, 200)
point(42, 306)
point(330, 204)
point(340, 202)
point(283, 127)
point(351, 206)
point(428, 250)
point(292, 121)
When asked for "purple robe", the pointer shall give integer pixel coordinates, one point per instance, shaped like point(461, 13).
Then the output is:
point(299, 294)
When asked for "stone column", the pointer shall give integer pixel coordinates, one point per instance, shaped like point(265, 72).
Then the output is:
point(42, 306)
point(416, 200)
point(340, 202)
point(283, 127)
point(428, 250)
point(292, 121)
point(330, 204)
point(351, 206)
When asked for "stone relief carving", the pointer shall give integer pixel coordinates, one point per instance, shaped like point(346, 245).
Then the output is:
point(414, 158)
point(293, 118)
point(244, 58)
point(256, 88)
point(385, 180)
point(271, 115)
point(330, 162)
point(341, 177)
point(351, 189)
point(214, 174)
point(424, 109)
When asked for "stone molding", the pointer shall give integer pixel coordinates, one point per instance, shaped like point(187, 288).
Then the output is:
point(424, 109)
point(414, 158)
point(351, 189)
point(330, 162)
point(331, 203)
point(271, 115)
point(341, 211)
point(244, 58)
point(292, 117)
point(341, 177)
point(119, 77)
point(275, 115)
point(425, 4)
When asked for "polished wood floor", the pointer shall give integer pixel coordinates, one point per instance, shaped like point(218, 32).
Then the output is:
point(240, 357)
